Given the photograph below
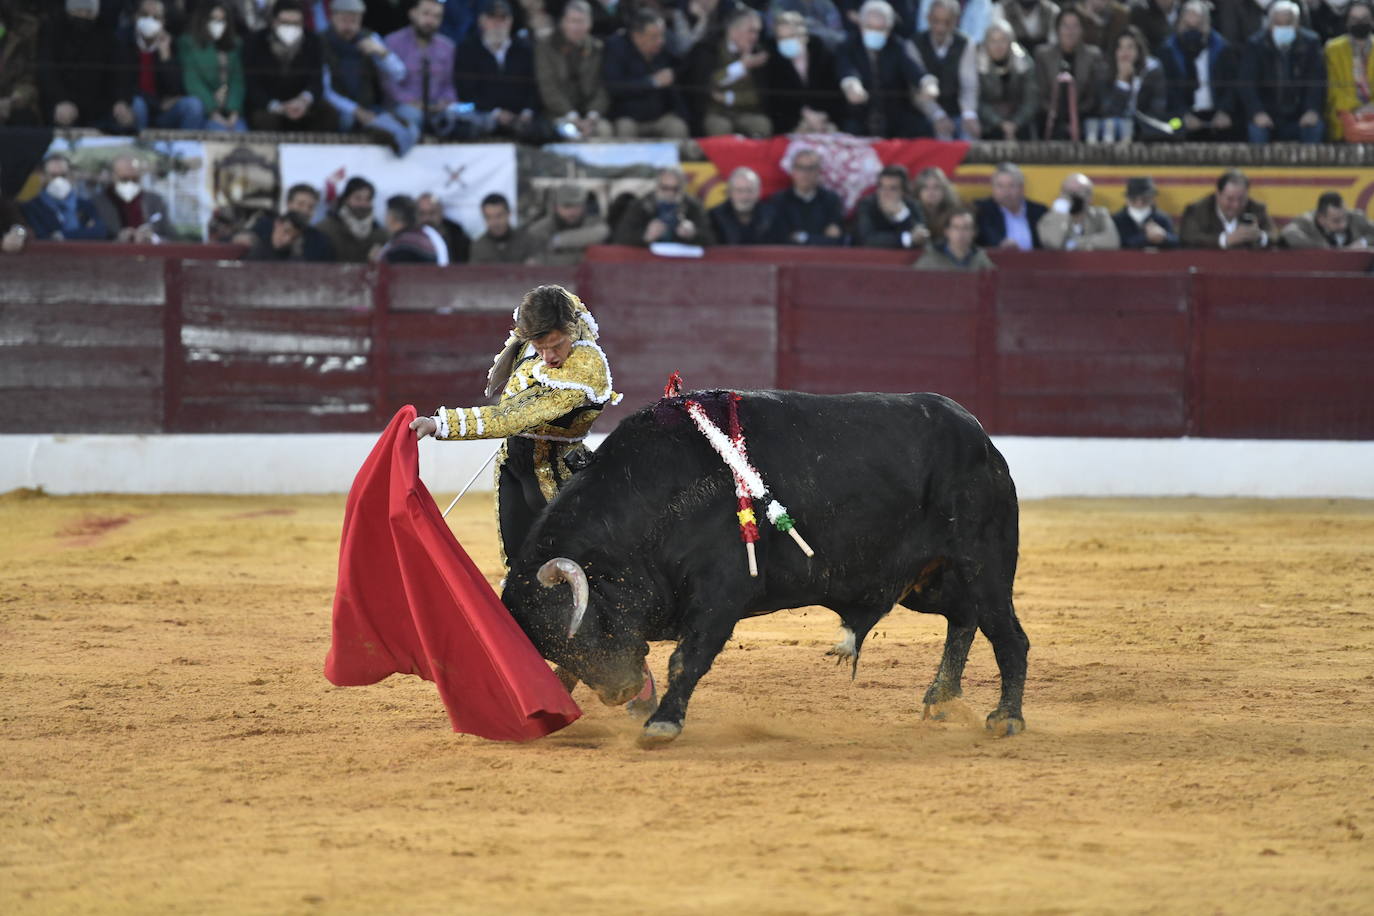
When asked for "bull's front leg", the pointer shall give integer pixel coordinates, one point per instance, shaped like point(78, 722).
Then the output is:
point(689, 663)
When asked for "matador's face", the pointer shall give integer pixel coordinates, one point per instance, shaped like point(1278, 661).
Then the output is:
point(553, 348)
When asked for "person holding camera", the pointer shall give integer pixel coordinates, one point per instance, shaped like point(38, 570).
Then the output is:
point(666, 214)
point(1074, 223)
point(1228, 218)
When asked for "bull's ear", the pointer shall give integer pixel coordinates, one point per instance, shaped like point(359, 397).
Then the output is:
point(561, 569)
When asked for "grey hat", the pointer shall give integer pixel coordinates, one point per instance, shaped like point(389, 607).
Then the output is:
point(1139, 187)
point(569, 195)
point(83, 6)
point(348, 6)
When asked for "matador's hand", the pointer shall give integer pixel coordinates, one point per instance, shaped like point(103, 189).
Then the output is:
point(424, 426)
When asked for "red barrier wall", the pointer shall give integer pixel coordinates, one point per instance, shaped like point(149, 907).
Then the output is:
point(142, 344)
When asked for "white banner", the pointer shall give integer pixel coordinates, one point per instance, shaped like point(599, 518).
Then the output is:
point(459, 175)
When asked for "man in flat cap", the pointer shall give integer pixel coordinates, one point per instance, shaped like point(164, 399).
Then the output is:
point(1140, 223)
point(561, 236)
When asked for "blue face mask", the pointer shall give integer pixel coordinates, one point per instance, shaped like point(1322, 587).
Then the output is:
point(1284, 35)
point(790, 48)
point(874, 40)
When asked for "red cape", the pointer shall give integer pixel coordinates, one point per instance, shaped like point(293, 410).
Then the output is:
point(410, 601)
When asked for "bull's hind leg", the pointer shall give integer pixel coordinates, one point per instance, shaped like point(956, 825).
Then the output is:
point(1010, 645)
point(690, 661)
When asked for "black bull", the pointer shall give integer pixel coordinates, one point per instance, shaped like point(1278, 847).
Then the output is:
point(903, 497)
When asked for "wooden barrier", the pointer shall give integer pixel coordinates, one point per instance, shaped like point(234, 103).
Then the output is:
point(1051, 344)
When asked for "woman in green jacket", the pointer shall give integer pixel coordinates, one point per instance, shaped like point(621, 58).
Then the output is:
point(212, 65)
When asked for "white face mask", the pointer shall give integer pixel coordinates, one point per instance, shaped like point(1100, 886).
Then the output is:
point(874, 40)
point(127, 190)
point(790, 48)
point(148, 27)
point(59, 188)
point(216, 30)
point(1138, 214)
point(289, 34)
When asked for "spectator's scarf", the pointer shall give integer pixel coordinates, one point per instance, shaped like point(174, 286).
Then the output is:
point(65, 210)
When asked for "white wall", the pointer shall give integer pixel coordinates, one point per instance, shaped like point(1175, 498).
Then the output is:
point(326, 463)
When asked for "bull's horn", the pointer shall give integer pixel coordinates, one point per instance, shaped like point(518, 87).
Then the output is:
point(561, 569)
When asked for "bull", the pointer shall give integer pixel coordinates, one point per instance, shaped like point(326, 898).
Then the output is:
point(903, 496)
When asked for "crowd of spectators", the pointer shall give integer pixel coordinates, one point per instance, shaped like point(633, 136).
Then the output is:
point(539, 70)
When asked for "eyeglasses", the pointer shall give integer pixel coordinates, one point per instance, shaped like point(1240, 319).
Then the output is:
point(798, 167)
point(669, 188)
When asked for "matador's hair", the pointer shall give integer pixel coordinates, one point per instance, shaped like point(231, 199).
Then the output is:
point(544, 309)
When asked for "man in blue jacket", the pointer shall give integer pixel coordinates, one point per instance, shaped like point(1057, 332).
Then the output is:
point(494, 70)
point(1200, 69)
point(1140, 223)
point(1007, 219)
point(806, 213)
point(880, 78)
point(57, 212)
point(1283, 79)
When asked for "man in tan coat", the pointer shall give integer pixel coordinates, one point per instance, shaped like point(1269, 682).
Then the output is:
point(561, 237)
point(1331, 225)
point(567, 67)
point(1074, 223)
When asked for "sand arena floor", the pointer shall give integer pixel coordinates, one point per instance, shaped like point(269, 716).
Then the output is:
point(1202, 675)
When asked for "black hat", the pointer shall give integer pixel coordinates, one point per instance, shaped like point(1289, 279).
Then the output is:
point(498, 8)
point(1139, 187)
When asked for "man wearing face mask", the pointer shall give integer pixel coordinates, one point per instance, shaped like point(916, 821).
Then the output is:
point(1074, 223)
point(129, 212)
point(352, 228)
point(1283, 80)
point(150, 75)
point(58, 213)
point(803, 85)
point(1331, 225)
point(284, 70)
point(881, 79)
point(1140, 223)
point(1201, 71)
point(1350, 73)
point(77, 70)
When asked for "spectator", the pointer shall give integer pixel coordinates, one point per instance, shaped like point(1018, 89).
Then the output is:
point(1237, 20)
point(150, 75)
point(533, 17)
point(425, 95)
point(1007, 219)
point(1228, 218)
point(1283, 80)
point(1331, 225)
point(355, 64)
point(19, 104)
point(1008, 91)
point(937, 199)
point(131, 213)
point(1156, 20)
point(14, 234)
point(408, 242)
point(58, 212)
point(666, 214)
point(957, 252)
point(1140, 224)
point(639, 78)
point(689, 23)
point(806, 213)
point(568, 65)
point(457, 246)
point(211, 59)
point(880, 80)
point(282, 242)
point(495, 72)
point(77, 72)
point(1065, 100)
point(310, 243)
point(1032, 21)
point(728, 74)
point(888, 218)
point(1136, 85)
point(284, 70)
point(1327, 18)
point(950, 57)
point(803, 85)
point(822, 17)
point(742, 219)
point(1074, 223)
point(501, 244)
point(1350, 72)
point(1200, 69)
point(251, 15)
point(1103, 23)
point(562, 237)
point(351, 228)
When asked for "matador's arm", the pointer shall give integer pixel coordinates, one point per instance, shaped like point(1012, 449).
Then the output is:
point(515, 414)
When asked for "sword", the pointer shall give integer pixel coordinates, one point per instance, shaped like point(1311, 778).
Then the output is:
point(472, 480)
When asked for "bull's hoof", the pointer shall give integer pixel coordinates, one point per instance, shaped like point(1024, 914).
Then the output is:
point(934, 712)
point(1003, 725)
point(845, 649)
point(642, 708)
point(657, 734)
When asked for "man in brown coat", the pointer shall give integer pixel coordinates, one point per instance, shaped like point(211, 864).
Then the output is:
point(1228, 218)
point(561, 236)
point(666, 214)
point(1331, 225)
point(567, 67)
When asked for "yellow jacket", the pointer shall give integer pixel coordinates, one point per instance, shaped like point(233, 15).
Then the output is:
point(1340, 82)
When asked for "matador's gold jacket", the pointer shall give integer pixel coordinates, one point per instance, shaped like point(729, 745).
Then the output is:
point(553, 407)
